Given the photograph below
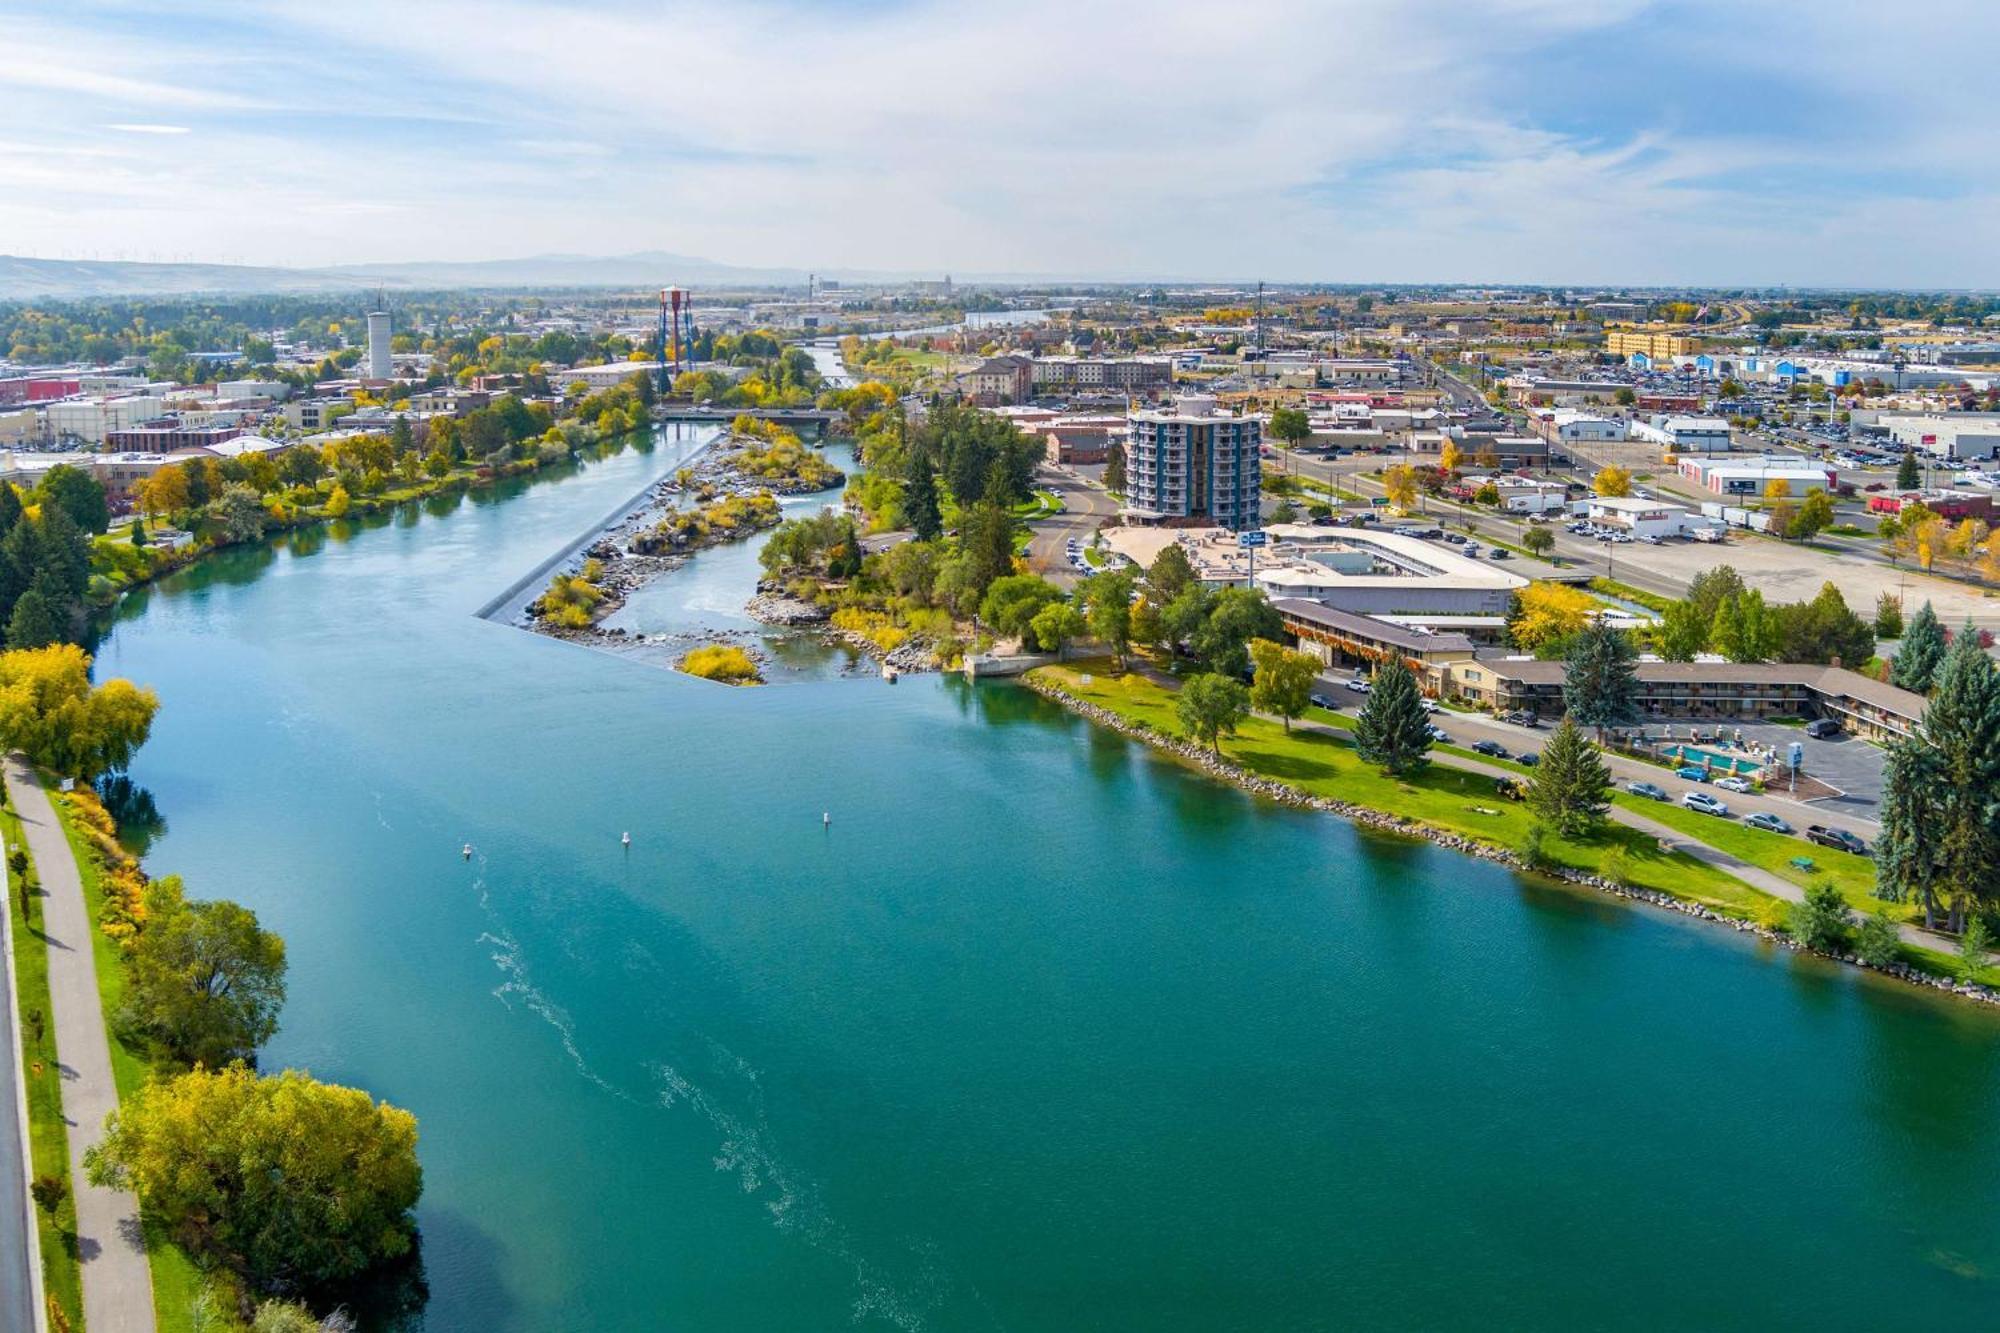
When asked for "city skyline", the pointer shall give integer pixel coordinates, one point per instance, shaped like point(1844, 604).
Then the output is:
point(1631, 143)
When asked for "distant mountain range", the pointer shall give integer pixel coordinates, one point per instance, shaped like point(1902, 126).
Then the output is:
point(61, 279)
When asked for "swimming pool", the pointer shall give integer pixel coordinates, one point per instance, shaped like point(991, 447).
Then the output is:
point(1687, 754)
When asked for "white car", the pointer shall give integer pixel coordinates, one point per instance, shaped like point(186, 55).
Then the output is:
point(1735, 784)
point(1428, 705)
point(1705, 804)
point(1358, 685)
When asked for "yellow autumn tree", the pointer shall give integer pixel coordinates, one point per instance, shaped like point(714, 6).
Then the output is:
point(1613, 481)
point(1548, 612)
point(1451, 457)
point(1400, 482)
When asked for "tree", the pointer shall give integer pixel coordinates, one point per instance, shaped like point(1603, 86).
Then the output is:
point(1572, 787)
point(1285, 512)
point(1229, 619)
point(1743, 630)
point(1450, 457)
point(1210, 707)
point(1908, 476)
point(1888, 617)
point(1399, 483)
point(1283, 679)
point(50, 711)
point(1822, 921)
point(1012, 602)
point(339, 502)
point(34, 623)
point(986, 537)
point(1940, 841)
point(1683, 631)
point(1106, 600)
point(206, 982)
point(239, 515)
point(1538, 540)
point(285, 1179)
point(1777, 488)
point(1147, 627)
point(1822, 630)
point(1546, 613)
point(1972, 947)
point(1921, 653)
point(920, 498)
point(1877, 941)
point(1600, 687)
point(1624, 396)
point(1115, 479)
point(1171, 574)
point(1393, 730)
point(1055, 625)
point(1612, 482)
point(78, 494)
point(1291, 425)
point(1814, 516)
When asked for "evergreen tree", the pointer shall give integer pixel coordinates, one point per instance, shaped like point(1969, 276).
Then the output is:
point(10, 508)
point(34, 623)
point(1916, 662)
point(1393, 729)
point(1600, 688)
point(1941, 798)
point(1114, 469)
point(1908, 478)
point(920, 498)
point(1572, 787)
point(1888, 617)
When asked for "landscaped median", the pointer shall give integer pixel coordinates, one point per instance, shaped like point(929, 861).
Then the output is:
point(1317, 767)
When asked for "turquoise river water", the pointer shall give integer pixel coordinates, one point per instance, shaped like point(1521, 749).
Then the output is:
point(1041, 1033)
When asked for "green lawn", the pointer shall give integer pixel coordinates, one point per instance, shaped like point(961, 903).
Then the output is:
point(1853, 875)
point(48, 1136)
point(1441, 797)
point(177, 1283)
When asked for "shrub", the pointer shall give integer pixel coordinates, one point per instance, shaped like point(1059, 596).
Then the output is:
point(1822, 920)
point(1876, 942)
point(722, 662)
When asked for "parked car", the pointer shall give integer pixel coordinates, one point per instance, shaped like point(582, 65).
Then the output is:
point(1820, 728)
point(1735, 784)
point(1647, 790)
point(1358, 685)
point(1439, 734)
point(1767, 821)
point(1501, 553)
point(1703, 803)
point(1837, 838)
point(1319, 701)
point(1491, 749)
point(1692, 773)
point(1428, 705)
point(1527, 758)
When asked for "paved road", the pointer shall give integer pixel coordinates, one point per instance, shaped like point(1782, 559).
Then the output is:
point(1085, 505)
point(20, 1249)
point(117, 1279)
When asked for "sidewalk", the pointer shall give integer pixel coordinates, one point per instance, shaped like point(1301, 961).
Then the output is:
point(117, 1278)
point(20, 1239)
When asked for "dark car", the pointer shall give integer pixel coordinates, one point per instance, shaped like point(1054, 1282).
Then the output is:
point(1527, 758)
point(1647, 789)
point(1492, 749)
point(1822, 728)
point(1837, 838)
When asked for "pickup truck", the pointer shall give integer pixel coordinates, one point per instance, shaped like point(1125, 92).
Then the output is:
point(1837, 838)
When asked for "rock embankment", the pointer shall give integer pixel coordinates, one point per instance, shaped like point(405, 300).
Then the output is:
point(1221, 767)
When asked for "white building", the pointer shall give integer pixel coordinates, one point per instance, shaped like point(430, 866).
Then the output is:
point(91, 419)
point(1641, 518)
point(1753, 476)
point(380, 365)
point(1948, 434)
point(1685, 435)
point(1567, 426)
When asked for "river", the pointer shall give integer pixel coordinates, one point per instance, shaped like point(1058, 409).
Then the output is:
point(1042, 1032)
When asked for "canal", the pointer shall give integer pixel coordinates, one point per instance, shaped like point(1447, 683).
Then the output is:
point(1041, 1032)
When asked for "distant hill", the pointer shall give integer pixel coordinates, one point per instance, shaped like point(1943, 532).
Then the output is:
point(65, 279)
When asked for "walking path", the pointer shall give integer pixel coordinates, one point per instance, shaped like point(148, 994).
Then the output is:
point(20, 1242)
point(117, 1279)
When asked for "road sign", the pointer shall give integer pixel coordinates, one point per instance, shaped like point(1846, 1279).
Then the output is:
point(1252, 539)
point(1797, 756)
point(1379, 501)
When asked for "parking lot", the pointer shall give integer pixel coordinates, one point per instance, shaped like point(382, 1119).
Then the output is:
point(1846, 762)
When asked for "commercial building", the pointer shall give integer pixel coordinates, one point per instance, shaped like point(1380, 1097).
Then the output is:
point(380, 364)
point(1074, 374)
point(1697, 690)
point(1193, 464)
point(1081, 440)
point(1951, 505)
point(1518, 495)
point(1753, 476)
point(1564, 425)
point(1002, 379)
point(1655, 344)
point(1950, 435)
point(1641, 518)
point(91, 419)
point(1685, 435)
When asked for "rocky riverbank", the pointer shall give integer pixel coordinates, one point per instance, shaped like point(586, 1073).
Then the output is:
point(1220, 767)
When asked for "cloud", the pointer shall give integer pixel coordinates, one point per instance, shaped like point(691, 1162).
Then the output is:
point(140, 128)
point(1627, 140)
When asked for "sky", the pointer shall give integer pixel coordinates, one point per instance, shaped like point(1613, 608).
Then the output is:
point(1618, 142)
